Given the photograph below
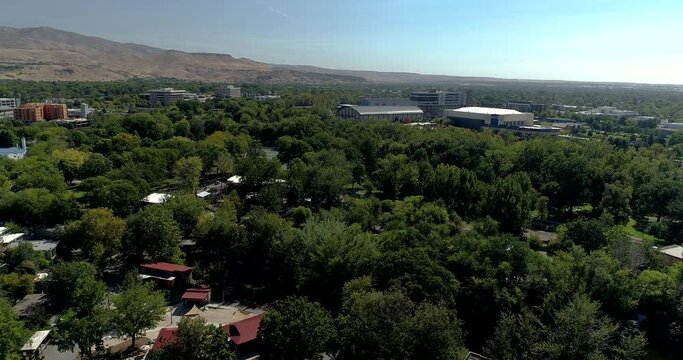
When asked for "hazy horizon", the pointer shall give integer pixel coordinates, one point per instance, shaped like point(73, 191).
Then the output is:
point(600, 41)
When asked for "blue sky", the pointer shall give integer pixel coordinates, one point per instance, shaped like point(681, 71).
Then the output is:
point(593, 40)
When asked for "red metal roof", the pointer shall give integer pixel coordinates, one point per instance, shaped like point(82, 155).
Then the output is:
point(196, 294)
point(245, 330)
point(166, 336)
point(162, 266)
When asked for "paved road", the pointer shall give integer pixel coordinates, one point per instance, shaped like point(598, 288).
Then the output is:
point(51, 353)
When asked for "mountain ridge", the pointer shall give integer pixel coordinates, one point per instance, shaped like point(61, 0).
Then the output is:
point(48, 54)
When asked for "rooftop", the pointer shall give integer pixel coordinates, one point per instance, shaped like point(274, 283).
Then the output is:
point(243, 331)
point(36, 339)
point(157, 198)
point(25, 306)
point(162, 266)
point(167, 90)
point(12, 152)
point(8, 238)
point(39, 245)
point(673, 251)
point(166, 336)
point(235, 179)
point(196, 295)
point(488, 111)
point(380, 110)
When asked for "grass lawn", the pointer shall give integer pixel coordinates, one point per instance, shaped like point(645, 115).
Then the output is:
point(631, 230)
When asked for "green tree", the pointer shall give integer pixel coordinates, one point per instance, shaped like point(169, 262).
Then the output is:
point(137, 308)
point(95, 165)
point(195, 340)
point(7, 138)
point(124, 142)
point(579, 332)
point(515, 336)
point(16, 286)
point(121, 196)
point(616, 200)
point(187, 172)
point(86, 321)
point(22, 259)
point(186, 209)
point(152, 234)
point(374, 325)
point(60, 286)
point(98, 234)
point(12, 332)
point(510, 201)
point(296, 329)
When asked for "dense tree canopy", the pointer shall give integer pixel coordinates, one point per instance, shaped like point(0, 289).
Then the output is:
point(371, 239)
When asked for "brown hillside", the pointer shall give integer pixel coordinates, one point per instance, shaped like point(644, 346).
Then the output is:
point(50, 54)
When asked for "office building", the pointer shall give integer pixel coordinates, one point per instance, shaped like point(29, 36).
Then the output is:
point(9, 102)
point(478, 117)
point(610, 111)
point(433, 103)
point(228, 92)
point(81, 112)
point(55, 111)
point(30, 112)
point(525, 106)
point(7, 106)
point(405, 114)
point(518, 122)
point(382, 101)
point(165, 96)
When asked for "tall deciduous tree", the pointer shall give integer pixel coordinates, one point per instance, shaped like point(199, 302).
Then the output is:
point(86, 321)
point(12, 332)
point(187, 172)
point(60, 286)
point(153, 234)
point(137, 308)
point(98, 234)
point(296, 329)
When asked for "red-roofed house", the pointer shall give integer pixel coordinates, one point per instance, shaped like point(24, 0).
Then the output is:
point(197, 296)
point(166, 274)
point(166, 336)
point(243, 335)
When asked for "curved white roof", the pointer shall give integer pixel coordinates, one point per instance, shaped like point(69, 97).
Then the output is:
point(488, 111)
point(384, 110)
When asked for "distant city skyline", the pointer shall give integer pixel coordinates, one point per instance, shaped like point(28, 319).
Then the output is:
point(582, 40)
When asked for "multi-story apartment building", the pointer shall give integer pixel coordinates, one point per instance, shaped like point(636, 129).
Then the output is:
point(55, 111)
point(29, 112)
point(433, 102)
point(228, 92)
point(165, 96)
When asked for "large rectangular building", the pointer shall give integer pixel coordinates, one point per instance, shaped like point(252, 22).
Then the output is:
point(228, 92)
point(9, 102)
point(29, 112)
point(404, 114)
point(479, 117)
point(165, 96)
point(433, 103)
point(55, 111)
point(7, 106)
